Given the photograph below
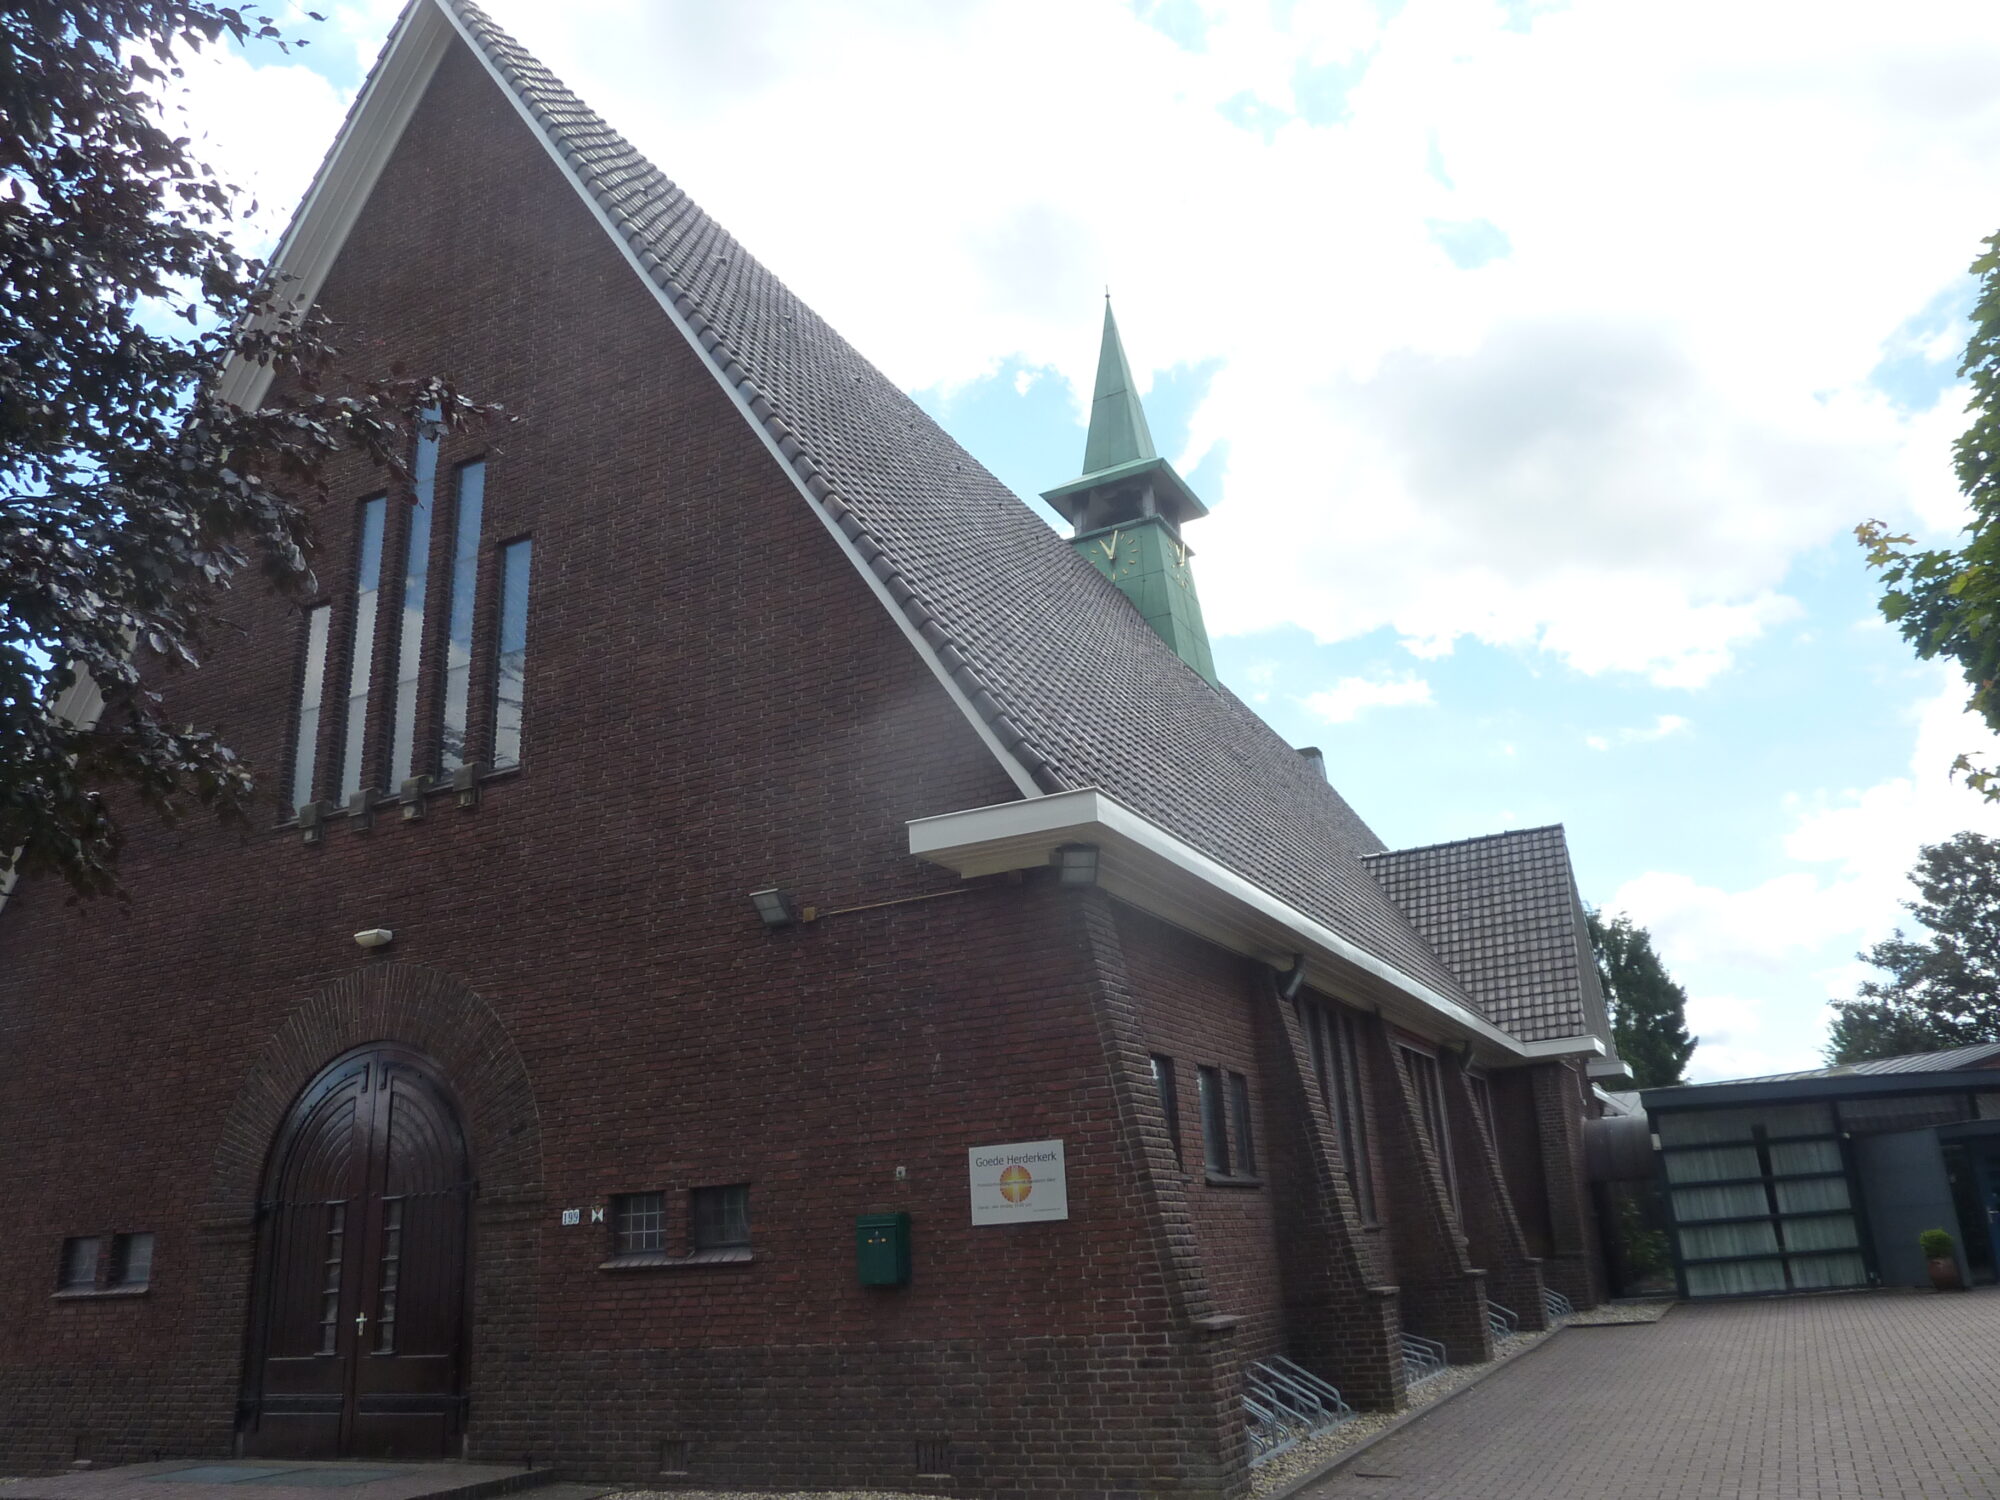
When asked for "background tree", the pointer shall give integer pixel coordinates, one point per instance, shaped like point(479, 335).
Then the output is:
point(1943, 990)
point(131, 495)
point(1946, 601)
point(1648, 1010)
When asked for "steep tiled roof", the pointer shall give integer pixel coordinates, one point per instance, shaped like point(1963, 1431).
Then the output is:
point(1503, 912)
point(1058, 663)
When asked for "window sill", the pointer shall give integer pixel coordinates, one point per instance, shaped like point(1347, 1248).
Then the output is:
point(392, 801)
point(651, 1260)
point(1232, 1180)
point(93, 1293)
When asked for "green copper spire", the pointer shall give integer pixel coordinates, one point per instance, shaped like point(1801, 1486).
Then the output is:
point(1128, 507)
point(1118, 432)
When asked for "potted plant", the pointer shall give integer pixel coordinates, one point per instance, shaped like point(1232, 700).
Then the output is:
point(1941, 1255)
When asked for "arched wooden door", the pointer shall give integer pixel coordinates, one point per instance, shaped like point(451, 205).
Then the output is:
point(356, 1346)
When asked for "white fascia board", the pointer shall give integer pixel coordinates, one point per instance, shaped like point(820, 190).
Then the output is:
point(1142, 864)
point(1564, 1046)
point(340, 189)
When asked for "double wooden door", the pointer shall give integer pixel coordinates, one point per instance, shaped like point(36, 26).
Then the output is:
point(358, 1323)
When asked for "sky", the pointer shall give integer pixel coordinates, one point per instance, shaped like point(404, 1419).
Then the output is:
point(1535, 359)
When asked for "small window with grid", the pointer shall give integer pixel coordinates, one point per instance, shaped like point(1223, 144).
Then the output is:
point(720, 1217)
point(131, 1261)
point(639, 1223)
point(77, 1270)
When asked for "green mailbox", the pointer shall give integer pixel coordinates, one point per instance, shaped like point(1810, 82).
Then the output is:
point(882, 1247)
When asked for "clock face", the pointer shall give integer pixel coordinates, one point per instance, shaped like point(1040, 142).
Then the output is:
point(1118, 557)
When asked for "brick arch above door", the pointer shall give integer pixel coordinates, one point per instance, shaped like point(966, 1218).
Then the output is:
point(386, 1002)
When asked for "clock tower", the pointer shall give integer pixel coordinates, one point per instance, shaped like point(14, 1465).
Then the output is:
point(1128, 508)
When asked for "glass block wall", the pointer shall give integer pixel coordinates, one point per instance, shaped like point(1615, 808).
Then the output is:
point(1761, 1200)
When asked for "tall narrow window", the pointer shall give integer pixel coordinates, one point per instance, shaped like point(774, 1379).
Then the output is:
point(312, 693)
point(471, 501)
point(389, 1275)
point(367, 586)
point(511, 679)
point(1429, 1089)
point(1170, 1099)
point(1345, 1033)
point(1482, 1102)
point(1241, 1139)
point(1214, 1123)
point(416, 581)
point(1333, 1038)
point(329, 1283)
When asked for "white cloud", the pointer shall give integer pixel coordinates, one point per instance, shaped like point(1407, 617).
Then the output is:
point(1786, 944)
point(1610, 444)
point(1351, 697)
point(228, 110)
point(1661, 727)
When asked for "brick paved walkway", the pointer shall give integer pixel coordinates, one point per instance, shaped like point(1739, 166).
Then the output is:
point(1848, 1397)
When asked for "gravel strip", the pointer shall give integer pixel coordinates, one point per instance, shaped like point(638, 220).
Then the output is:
point(1309, 1455)
point(1620, 1312)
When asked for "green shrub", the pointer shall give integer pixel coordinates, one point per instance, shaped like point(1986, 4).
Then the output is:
point(1937, 1245)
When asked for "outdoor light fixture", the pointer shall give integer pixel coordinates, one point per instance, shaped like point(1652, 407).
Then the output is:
point(774, 907)
point(375, 937)
point(1076, 864)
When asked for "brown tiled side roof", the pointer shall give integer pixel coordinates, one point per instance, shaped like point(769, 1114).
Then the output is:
point(1503, 912)
point(1055, 659)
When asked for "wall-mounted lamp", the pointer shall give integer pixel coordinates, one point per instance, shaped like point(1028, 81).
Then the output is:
point(375, 937)
point(774, 907)
point(1076, 864)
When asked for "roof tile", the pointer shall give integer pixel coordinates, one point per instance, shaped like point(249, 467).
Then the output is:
point(1090, 695)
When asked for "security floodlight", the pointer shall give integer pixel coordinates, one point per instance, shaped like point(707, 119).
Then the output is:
point(774, 907)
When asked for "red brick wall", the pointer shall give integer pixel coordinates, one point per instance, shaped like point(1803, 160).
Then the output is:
point(1520, 1145)
point(1195, 1005)
point(715, 703)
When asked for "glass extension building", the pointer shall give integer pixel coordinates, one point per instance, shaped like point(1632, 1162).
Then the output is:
point(1823, 1180)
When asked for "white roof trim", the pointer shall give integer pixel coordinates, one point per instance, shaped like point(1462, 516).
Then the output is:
point(1142, 864)
point(340, 189)
point(1565, 1046)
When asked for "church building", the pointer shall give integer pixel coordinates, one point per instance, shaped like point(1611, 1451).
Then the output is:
point(766, 965)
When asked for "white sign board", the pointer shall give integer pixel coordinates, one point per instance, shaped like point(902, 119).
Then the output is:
point(1018, 1184)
